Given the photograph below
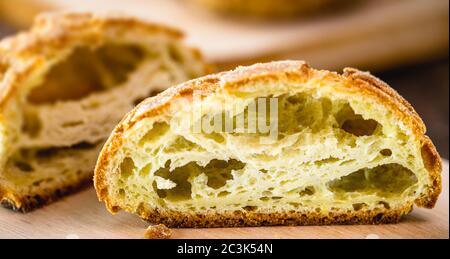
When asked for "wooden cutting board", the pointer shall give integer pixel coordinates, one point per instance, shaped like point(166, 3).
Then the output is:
point(377, 34)
point(82, 216)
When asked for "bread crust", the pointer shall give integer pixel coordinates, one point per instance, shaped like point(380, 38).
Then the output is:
point(254, 219)
point(22, 54)
point(289, 71)
point(19, 203)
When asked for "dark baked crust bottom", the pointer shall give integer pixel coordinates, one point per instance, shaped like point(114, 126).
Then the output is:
point(27, 203)
point(254, 219)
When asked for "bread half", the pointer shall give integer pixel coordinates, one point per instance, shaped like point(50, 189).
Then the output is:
point(347, 150)
point(64, 85)
point(269, 8)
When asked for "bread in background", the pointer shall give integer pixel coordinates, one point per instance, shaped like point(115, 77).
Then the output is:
point(65, 84)
point(270, 8)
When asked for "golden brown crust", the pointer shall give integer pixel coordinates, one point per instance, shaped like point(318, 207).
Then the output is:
point(25, 53)
point(26, 203)
point(433, 164)
point(254, 219)
point(288, 71)
point(357, 75)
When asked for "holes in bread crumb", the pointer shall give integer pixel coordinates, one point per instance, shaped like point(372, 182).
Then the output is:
point(127, 168)
point(158, 129)
point(359, 206)
point(51, 152)
point(295, 204)
point(386, 205)
point(267, 193)
point(19, 160)
point(250, 208)
point(86, 71)
point(23, 166)
point(181, 145)
point(300, 111)
point(354, 123)
point(31, 124)
point(223, 194)
point(294, 114)
point(121, 194)
point(217, 171)
point(308, 191)
point(180, 176)
point(384, 180)
point(360, 127)
point(326, 161)
point(37, 183)
point(386, 152)
point(161, 193)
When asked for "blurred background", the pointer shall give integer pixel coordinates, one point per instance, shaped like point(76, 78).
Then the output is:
point(404, 42)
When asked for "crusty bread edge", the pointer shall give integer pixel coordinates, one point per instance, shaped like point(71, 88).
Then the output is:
point(295, 71)
point(255, 219)
point(68, 26)
point(26, 203)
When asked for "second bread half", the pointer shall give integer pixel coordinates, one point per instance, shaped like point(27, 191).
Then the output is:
point(65, 84)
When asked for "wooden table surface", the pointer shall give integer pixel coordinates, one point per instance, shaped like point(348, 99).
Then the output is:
point(82, 216)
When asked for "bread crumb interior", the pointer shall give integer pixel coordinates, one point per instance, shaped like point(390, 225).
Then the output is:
point(332, 152)
point(68, 108)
